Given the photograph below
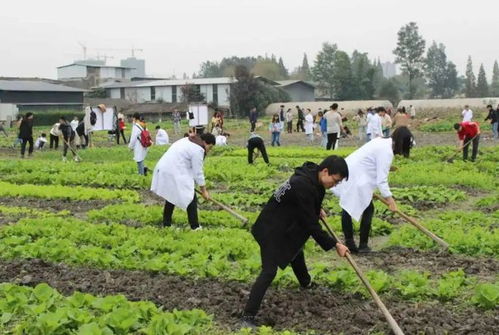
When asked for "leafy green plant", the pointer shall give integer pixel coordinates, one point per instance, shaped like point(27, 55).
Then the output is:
point(487, 295)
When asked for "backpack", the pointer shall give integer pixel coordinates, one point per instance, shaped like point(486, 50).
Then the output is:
point(144, 137)
point(93, 118)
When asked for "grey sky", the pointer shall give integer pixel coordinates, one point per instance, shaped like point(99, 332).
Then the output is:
point(37, 36)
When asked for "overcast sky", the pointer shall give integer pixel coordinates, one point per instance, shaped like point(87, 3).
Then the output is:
point(176, 36)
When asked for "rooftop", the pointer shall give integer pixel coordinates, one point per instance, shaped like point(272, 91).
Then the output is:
point(32, 85)
point(171, 82)
point(96, 65)
point(291, 82)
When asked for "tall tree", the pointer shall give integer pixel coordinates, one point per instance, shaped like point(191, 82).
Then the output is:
point(482, 87)
point(470, 84)
point(451, 84)
point(342, 73)
point(210, 70)
point(494, 84)
point(362, 77)
point(323, 69)
point(409, 53)
point(305, 68)
point(283, 71)
point(435, 69)
point(389, 90)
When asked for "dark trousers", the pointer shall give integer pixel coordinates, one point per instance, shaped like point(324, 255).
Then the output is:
point(299, 126)
point(331, 140)
point(54, 141)
point(290, 126)
point(256, 143)
point(267, 275)
point(66, 146)
point(192, 213)
point(365, 225)
point(122, 133)
point(23, 145)
point(253, 125)
point(474, 150)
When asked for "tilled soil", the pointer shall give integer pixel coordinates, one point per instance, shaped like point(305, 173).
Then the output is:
point(320, 309)
point(436, 262)
point(77, 208)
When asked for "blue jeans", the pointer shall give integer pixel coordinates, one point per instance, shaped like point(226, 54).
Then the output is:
point(275, 138)
point(495, 129)
point(324, 139)
point(140, 167)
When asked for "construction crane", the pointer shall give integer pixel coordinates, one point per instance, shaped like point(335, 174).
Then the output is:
point(84, 47)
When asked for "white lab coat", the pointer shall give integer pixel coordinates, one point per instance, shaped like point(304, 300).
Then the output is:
point(309, 124)
point(162, 137)
point(139, 152)
point(220, 140)
point(467, 115)
point(176, 172)
point(74, 124)
point(368, 169)
point(374, 126)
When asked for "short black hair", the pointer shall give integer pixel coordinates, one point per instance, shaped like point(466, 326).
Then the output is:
point(282, 105)
point(44, 135)
point(136, 116)
point(208, 138)
point(158, 127)
point(335, 165)
point(28, 114)
point(62, 118)
point(456, 126)
point(489, 106)
point(380, 109)
point(334, 106)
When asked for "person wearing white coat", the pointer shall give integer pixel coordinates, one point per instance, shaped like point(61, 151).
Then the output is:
point(161, 136)
point(139, 152)
point(309, 125)
point(176, 174)
point(374, 128)
point(368, 169)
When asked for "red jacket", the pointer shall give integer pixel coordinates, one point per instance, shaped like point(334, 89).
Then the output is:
point(469, 129)
point(121, 125)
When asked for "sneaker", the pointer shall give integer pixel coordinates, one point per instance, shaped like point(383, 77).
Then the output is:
point(198, 228)
point(166, 224)
point(248, 322)
point(64, 159)
point(364, 249)
point(146, 169)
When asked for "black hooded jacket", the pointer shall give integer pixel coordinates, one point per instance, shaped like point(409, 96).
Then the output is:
point(291, 216)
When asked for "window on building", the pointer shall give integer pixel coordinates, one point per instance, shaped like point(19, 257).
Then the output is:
point(215, 94)
point(174, 94)
point(153, 93)
point(122, 93)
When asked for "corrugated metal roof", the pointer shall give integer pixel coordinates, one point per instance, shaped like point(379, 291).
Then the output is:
point(31, 85)
point(291, 82)
point(175, 82)
point(96, 65)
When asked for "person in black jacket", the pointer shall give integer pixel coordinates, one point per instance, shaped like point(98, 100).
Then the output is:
point(68, 136)
point(26, 134)
point(256, 142)
point(301, 118)
point(286, 222)
point(493, 116)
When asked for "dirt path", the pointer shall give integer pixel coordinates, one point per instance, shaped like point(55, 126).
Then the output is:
point(319, 309)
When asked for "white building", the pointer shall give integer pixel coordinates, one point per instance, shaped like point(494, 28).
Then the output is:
point(94, 73)
point(215, 90)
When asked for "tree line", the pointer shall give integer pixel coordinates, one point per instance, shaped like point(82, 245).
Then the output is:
point(342, 76)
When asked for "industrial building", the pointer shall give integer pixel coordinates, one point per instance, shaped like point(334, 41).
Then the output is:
point(298, 90)
point(92, 73)
point(215, 90)
point(30, 95)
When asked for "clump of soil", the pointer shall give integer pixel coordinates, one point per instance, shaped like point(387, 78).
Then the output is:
point(320, 309)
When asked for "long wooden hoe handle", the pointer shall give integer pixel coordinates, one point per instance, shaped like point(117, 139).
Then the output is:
point(228, 209)
point(416, 224)
point(391, 321)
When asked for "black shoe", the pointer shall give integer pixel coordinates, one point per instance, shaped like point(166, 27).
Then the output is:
point(248, 322)
point(167, 224)
point(309, 286)
point(146, 169)
point(364, 249)
point(350, 244)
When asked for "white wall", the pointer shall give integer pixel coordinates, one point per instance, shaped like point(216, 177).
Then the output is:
point(115, 93)
point(72, 71)
point(164, 93)
point(143, 94)
point(8, 113)
point(224, 95)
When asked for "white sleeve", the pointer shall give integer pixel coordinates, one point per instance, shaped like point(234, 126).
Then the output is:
point(383, 163)
point(197, 167)
point(133, 137)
